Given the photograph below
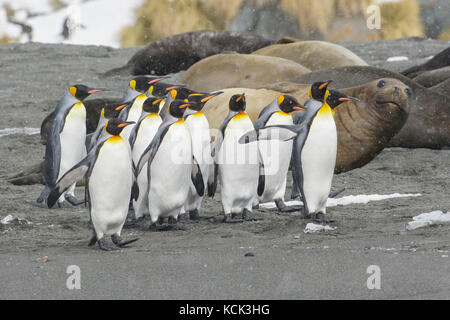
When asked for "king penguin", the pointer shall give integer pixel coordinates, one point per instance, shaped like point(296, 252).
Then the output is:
point(66, 141)
point(141, 136)
point(109, 176)
point(138, 85)
point(276, 155)
point(170, 168)
point(314, 151)
point(198, 126)
point(237, 166)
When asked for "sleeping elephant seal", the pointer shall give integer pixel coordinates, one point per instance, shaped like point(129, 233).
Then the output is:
point(364, 127)
point(314, 55)
point(433, 77)
point(428, 124)
point(240, 70)
point(442, 59)
point(179, 52)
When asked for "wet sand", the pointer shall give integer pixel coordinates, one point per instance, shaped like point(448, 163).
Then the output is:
point(208, 260)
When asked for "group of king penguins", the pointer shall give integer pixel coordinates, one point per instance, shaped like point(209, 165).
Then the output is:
point(154, 152)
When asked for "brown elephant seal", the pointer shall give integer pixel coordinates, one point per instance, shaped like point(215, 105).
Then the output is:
point(442, 59)
point(442, 88)
point(428, 124)
point(240, 70)
point(179, 52)
point(364, 127)
point(314, 55)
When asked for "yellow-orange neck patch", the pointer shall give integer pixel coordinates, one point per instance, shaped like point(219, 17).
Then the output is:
point(240, 115)
point(325, 110)
point(115, 139)
point(282, 113)
point(179, 121)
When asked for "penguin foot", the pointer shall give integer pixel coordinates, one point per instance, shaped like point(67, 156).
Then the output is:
point(229, 219)
point(335, 193)
point(60, 205)
point(318, 217)
point(195, 216)
point(118, 241)
point(305, 215)
point(255, 207)
point(282, 207)
point(248, 216)
point(74, 201)
point(156, 226)
point(102, 244)
point(173, 224)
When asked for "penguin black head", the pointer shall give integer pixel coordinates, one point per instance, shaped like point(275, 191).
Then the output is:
point(200, 99)
point(180, 93)
point(151, 105)
point(318, 90)
point(237, 102)
point(112, 110)
point(81, 92)
point(142, 83)
point(115, 126)
point(177, 107)
point(288, 103)
point(335, 98)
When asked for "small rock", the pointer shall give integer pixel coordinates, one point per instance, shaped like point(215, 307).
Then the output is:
point(42, 260)
point(249, 254)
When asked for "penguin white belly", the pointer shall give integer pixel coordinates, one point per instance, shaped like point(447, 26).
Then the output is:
point(171, 173)
point(72, 141)
point(147, 130)
point(110, 187)
point(133, 115)
point(318, 160)
point(201, 148)
point(238, 167)
point(276, 157)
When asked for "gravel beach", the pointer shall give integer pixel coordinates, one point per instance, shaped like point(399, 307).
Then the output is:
point(268, 259)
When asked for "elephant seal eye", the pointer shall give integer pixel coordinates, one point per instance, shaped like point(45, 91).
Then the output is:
point(381, 84)
point(408, 92)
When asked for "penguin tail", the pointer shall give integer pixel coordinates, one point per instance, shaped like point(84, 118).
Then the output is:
point(44, 194)
point(135, 191)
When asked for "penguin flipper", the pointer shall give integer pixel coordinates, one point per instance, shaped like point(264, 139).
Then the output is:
point(261, 178)
point(279, 132)
point(69, 178)
point(197, 178)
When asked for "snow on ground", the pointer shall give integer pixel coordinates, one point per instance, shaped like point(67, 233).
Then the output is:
point(313, 227)
point(95, 22)
point(28, 131)
point(360, 198)
point(396, 59)
point(428, 219)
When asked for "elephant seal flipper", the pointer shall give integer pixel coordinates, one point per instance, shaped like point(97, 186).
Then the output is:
point(440, 60)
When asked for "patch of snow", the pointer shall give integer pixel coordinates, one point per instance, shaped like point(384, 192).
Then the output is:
point(428, 219)
point(10, 131)
point(7, 219)
point(312, 228)
point(395, 59)
point(359, 199)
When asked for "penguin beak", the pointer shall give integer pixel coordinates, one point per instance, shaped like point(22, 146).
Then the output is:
point(171, 88)
point(209, 97)
point(94, 90)
point(124, 124)
point(155, 81)
point(348, 99)
point(196, 95)
point(121, 107)
point(240, 97)
point(299, 108)
point(157, 101)
point(324, 85)
point(184, 105)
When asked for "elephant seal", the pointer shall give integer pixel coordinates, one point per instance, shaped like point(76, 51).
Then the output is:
point(364, 127)
point(240, 70)
point(433, 77)
point(442, 88)
point(428, 124)
point(179, 52)
point(314, 55)
point(442, 59)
